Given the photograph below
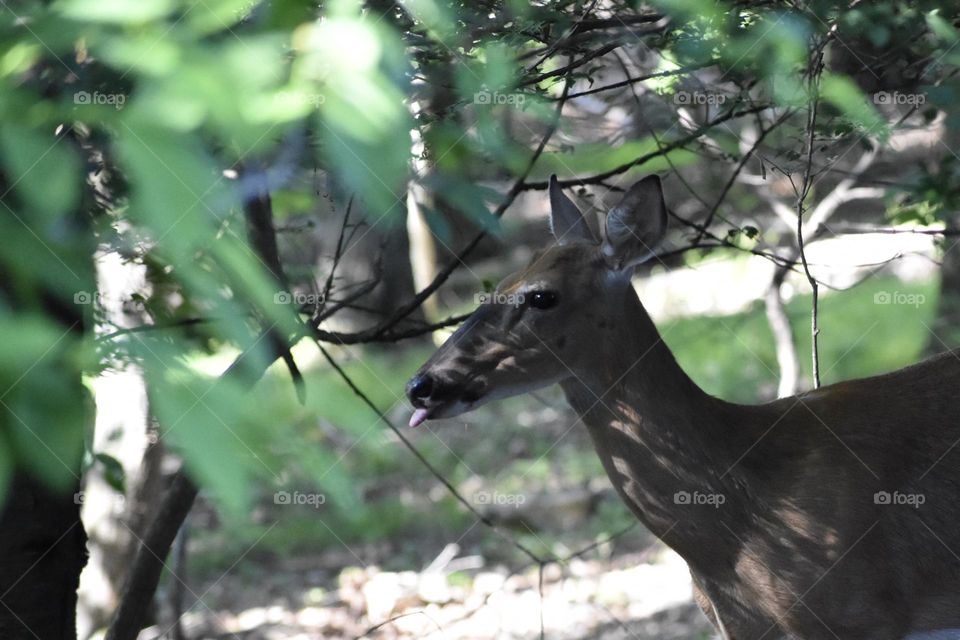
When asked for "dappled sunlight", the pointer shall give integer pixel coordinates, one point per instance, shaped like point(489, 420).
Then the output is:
point(478, 320)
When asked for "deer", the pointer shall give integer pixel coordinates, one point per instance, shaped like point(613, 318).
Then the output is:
point(828, 514)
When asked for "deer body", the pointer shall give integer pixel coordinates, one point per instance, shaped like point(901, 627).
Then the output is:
point(778, 509)
point(799, 517)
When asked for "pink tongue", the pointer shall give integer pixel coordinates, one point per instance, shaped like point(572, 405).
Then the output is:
point(418, 417)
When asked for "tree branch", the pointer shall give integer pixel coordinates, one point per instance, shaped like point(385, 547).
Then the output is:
point(599, 178)
point(736, 171)
point(814, 87)
point(148, 563)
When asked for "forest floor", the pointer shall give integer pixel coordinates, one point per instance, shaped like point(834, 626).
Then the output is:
point(633, 595)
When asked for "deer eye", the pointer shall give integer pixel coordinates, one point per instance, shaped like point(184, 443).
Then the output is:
point(543, 299)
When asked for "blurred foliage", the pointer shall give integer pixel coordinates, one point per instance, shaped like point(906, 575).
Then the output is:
point(124, 123)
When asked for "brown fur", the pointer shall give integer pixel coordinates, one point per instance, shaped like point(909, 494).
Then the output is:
point(798, 547)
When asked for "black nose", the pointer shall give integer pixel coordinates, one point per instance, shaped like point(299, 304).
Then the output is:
point(420, 387)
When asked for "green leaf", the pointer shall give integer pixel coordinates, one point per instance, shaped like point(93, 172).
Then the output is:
point(47, 437)
point(204, 421)
point(209, 16)
point(113, 471)
point(43, 168)
point(841, 92)
point(943, 29)
point(118, 11)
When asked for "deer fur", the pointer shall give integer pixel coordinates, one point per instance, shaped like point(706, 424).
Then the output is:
point(830, 514)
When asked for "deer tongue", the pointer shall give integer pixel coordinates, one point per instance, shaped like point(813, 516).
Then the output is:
point(419, 415)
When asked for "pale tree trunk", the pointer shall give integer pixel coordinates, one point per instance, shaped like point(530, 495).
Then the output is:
point(434, 97)
point(783, 340)
point(845, 191)
point(113, 520)
point(423, 249)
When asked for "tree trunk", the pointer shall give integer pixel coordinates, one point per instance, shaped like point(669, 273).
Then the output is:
point(42, 550)
point(112, 519)
point(42, 540)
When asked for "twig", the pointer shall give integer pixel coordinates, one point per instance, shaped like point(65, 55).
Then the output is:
point(814, 87)
point(630, 81)
point(186, 322)
point(721, 242)
point(374, 333)
point(676, 144)
point(564, 38)
point(594, 545)
point(585, 26)
point(561, 561)
point(656, 138)
point(736, 171)
point(381, 625)
point(393, 335)
point(419, 456)
point(338, 253)
point(853, 229)
point(602, 51)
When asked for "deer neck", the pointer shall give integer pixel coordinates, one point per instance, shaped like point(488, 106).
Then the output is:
point(659, 436)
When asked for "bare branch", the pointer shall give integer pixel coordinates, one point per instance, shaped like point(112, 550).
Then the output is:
point(631, 81)
point(565, 38)
point(844, 192)
point(814, 87)
point(419, 456)
point(576, 64)
point(736, 171)
point(374, 334)
point(599, 178)
point(856, 229)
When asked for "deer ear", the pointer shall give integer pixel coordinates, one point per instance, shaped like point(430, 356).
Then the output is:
point(635, 227)
point(566, 221)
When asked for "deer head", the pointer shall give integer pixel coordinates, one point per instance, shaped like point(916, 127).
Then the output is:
point(539, 326)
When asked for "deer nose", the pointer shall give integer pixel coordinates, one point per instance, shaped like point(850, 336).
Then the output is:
point(420, 387)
